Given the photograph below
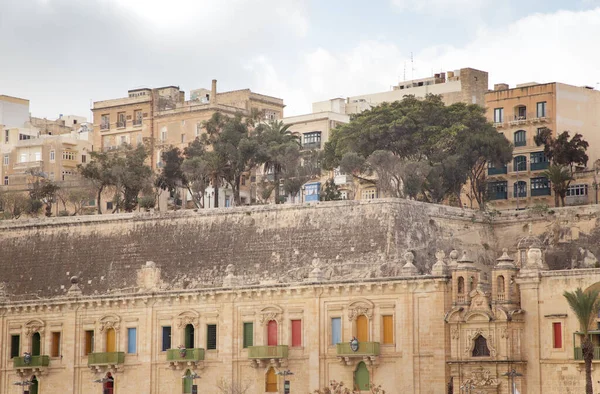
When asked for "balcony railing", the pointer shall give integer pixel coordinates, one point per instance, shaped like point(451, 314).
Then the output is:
point(137, 122)
point(121, 125)
point(530, 117)
point(106, 359)
point(104, 126)
point(500, 296)
point(497, 171)
point(196, 354)
point(267, 352)
point(539, 166)
point(579, 353)
point(311, 145)
point(364, 349)
point(541, 192)
point(498, 195)
point(28, 164)
point(36, 362)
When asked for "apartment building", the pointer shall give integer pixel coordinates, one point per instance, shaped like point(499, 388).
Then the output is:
point(520, 113)
point(466, 85)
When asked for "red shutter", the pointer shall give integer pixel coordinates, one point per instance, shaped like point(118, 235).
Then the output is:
point(296, 333)
point(272, 331)
point(557, 335)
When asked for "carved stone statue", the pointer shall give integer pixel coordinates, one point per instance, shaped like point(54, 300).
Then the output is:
point(439, 268)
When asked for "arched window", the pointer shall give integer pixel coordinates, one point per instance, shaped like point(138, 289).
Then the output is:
point(461, 285)
point(361, 377)
point(272, 333)
point(33, 387)
point(36, 344)
point(520, 138)
point(189, 336)
point(108, 386)
point(271, 381)
point(520, 189)
point(500, 284)
point(481, 348)
point(187, 382)
point(520, 163)
point(362, 328)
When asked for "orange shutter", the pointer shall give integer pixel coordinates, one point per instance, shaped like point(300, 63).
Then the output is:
point(388, 330)
point(362, 329)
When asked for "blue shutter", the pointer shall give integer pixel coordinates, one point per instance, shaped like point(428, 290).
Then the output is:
point(336, 330)
point(131, 340)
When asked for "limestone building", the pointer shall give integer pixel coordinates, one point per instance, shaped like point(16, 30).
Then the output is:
point(162, 303)
point(519, 113)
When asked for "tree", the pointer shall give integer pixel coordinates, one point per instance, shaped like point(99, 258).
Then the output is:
point(330, 192)
point(133, 175)
point(389, 169)
point(13, 204)
point(42, 191)
point(79, 198)
point(226, 386)
point(585, 305)
point(99, 172)
point(562, 150)
point(335, 387)
point(560, 178)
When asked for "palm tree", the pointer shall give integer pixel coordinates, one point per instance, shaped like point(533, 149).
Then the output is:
point(585, 306)
point(560, 178)
point(276, 142)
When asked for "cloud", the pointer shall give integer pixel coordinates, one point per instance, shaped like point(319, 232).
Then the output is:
point(515, 53)
point(439, 6)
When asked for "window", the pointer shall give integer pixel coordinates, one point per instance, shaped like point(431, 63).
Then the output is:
point(163, 135)
point(6, 181)
point(89, 342)
point(243, 180)
point(521, 112)
point(369, 194)
point(139, 139)
point(68, 155)
point(52, 156)
point(109, 205)
point(6, 136)
point(105, 122)
point(312, 140)
point(296, 333)
point(6, 159)
point(83, 158)
point(557, 335)
point(388, 329)
point(23, 137)
point(270, 115)
point(248, 335)
point(15, 343)
point(577, 190)
point(497, 190)
point(137, 117)
point(66, 174)
point(541, 109)
point(498, 115)
point(123, 139)
point(132, 340)
point(38, 156)
point(520, 163)
point(540, 183)
point(23, 158)
point(520, 138)
point(211, 336)
point(182, 138)
point(336, 330)
point(121, 121)
point(55, 349)
point(166, 338)
point(520, 189)
point(481, 348)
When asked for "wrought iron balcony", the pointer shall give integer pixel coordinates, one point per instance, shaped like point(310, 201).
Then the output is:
point(137, 122)
point(35, 362)
point(121, 125)
point(107, 359)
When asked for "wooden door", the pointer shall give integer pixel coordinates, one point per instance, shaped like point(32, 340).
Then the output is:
point(362, 328)
point(272, 333)
point(271, 381)
point(361, 377)
point(187, 382)
point(111, 340)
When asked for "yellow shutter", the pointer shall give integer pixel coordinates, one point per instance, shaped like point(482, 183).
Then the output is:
point(111, 340)
point(362, 328)
point(388, 330)
point(271, 386)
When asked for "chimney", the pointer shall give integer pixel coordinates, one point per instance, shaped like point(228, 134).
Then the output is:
point(213, 92)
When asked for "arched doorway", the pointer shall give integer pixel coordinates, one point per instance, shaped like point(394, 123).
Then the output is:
point(272, 333)
point(187, 382)
point(271, 381)
point(36, 344)
point(189, 336)
point(111, 340)
point(108, 387)
point(362, 328)
point(34, 387)
point(361, 377)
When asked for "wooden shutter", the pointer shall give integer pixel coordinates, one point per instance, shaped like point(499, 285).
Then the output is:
point(388, 330)
point(248, 334)
point(336, 330)
point(131, 340)
point(14, 345)
point(362, 328)
point(272, 333)
point(189, 336)
point(557, 328)
point(111, 340)
point(211, 336)
point(166, 338)
point(271, 381)
point(361, 377)
point(89, 342)
point(55, 351)
point(296, 333)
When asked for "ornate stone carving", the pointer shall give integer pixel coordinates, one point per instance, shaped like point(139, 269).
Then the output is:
point(270, 313)
point(482, 377)
point(479, 301)
point(453, 258)
point(409, 268)
point(74, 290)
point(33, 326)
point(148, 277)
point(439, 268)
point(489, 337)
point(360, 307)
point(110, 321)
point(230, 279)
point(186, 318)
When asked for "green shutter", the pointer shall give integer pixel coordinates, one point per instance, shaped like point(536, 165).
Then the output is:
point(248, 334)
point(211, 336)
point(361, 377)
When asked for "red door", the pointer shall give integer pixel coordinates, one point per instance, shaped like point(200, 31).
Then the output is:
point(272, 333)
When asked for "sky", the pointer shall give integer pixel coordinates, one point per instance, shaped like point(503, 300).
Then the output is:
point(64, 54)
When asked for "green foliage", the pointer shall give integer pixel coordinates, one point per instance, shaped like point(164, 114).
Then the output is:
point(336, 387)
point(560, 178)
point(14, 204)
point(432, 149)
point(562, 150)
point(147, 202)
point(330, 191)
point(538, 209)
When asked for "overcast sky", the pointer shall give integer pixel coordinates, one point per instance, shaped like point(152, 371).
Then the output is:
point(60, 54)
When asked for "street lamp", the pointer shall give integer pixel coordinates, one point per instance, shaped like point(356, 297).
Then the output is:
point(285, 373)
point(193, 376)
point(511, 375)
point(24, 383)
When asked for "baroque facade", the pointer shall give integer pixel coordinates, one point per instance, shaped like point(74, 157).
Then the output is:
point(99, 319)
